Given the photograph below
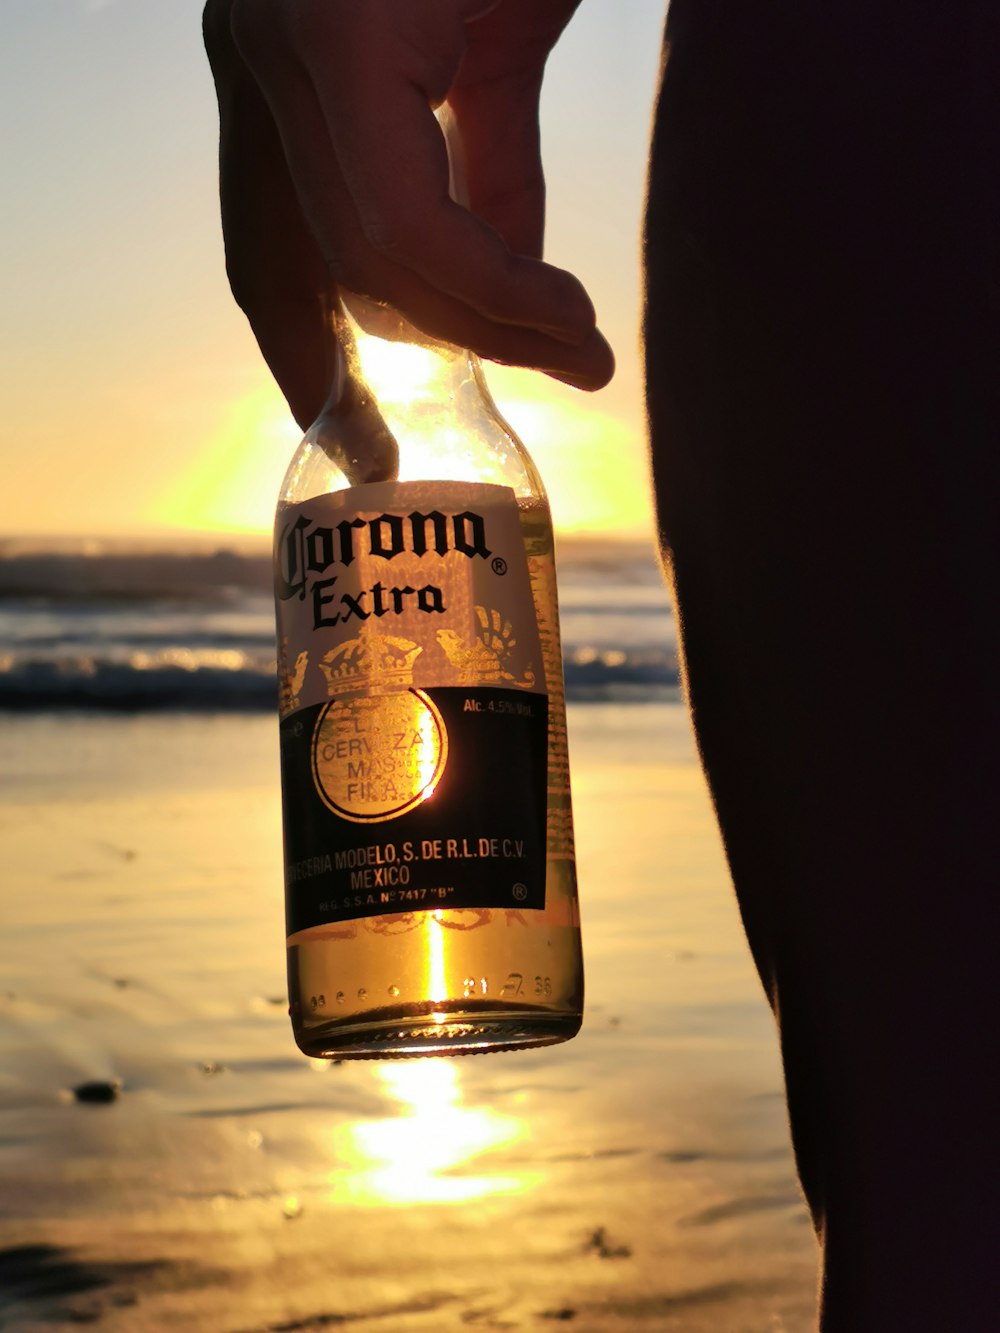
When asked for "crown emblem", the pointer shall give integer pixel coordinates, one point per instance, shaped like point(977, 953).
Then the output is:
point(376, 664)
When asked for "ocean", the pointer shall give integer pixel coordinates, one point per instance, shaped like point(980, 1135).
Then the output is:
point(111, 626)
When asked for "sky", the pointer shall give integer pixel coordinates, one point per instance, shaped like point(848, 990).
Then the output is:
point(133, 400)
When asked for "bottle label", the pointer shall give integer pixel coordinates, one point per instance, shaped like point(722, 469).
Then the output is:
point(414, 714)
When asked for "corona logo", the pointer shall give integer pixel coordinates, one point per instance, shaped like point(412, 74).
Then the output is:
point(306, 549)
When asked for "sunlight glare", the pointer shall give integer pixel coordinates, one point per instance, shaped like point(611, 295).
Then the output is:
point(594, 464)
point(428, 758)
point(417, 1156)
point(233, 484)
point(398, 372)
point(437, 980)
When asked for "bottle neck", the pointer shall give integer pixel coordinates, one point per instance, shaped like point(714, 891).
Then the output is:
point(393, 359)
point(386, 378)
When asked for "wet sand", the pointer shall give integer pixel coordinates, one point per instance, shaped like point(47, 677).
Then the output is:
point(637, 1178)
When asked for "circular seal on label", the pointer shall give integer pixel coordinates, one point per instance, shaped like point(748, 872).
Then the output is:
point(374, 758)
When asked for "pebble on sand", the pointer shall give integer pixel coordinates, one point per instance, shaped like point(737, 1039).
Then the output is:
point(98, 1090)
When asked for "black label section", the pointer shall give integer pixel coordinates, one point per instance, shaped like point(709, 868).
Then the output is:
point(475, 839)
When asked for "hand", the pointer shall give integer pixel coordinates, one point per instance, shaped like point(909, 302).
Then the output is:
point(334, 171)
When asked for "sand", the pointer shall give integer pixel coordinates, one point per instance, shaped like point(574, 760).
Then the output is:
point(637, 1178)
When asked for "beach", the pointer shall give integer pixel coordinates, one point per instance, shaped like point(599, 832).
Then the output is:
point(638, 1177)
point(168, 1158)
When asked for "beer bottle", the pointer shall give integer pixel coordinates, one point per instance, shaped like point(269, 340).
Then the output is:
point(430, 880)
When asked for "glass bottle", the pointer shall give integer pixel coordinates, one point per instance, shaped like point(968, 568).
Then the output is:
point(430, 878)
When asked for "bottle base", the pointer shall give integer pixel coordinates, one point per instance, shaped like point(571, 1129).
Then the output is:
point(465, 1031)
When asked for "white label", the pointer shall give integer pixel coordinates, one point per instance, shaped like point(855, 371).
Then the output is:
point(403, 585)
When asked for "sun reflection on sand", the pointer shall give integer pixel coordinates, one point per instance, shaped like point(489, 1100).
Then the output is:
point(421, 1154)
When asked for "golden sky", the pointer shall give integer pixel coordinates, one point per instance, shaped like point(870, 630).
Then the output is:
point(134, 401)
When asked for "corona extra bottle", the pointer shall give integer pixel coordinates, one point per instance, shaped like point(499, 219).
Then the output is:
point(430, 880)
